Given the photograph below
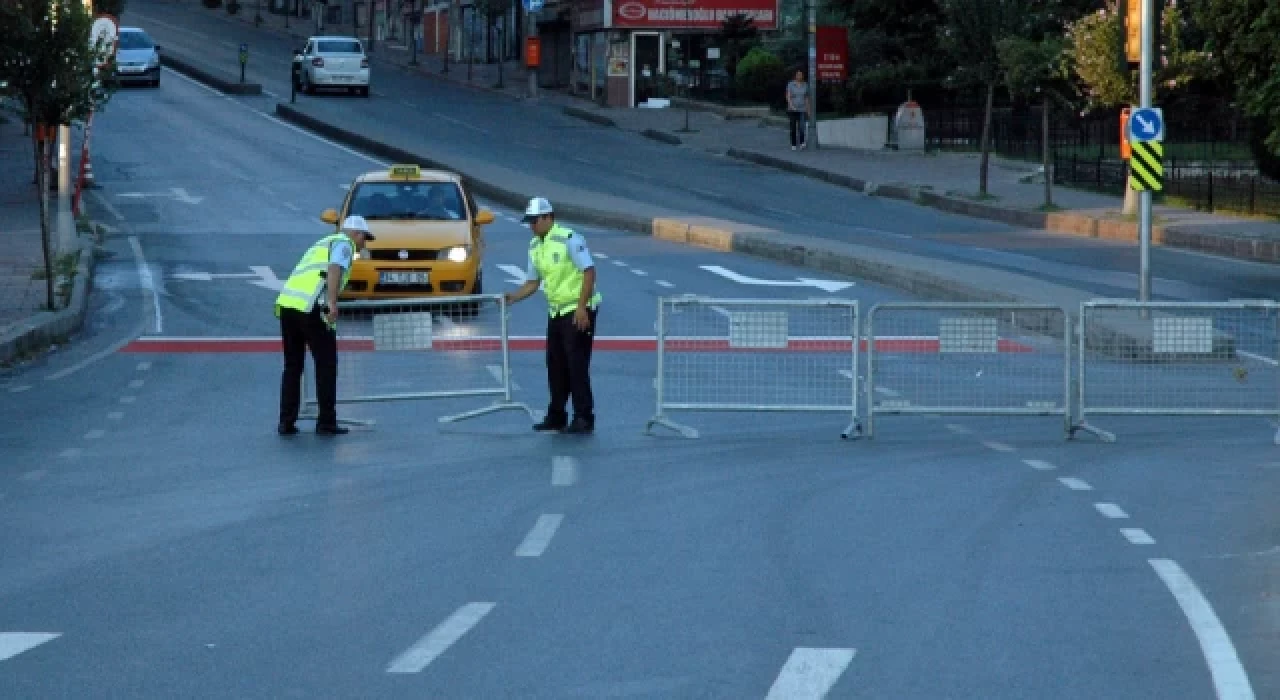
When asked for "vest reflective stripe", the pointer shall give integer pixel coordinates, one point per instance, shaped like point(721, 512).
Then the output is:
point(561, 279)
point(302, 289)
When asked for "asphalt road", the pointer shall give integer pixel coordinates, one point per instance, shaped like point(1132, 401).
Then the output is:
point(460, 125)
point(161, 541)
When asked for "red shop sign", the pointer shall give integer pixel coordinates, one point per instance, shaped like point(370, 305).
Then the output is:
point(833, 54)
point(692, 14)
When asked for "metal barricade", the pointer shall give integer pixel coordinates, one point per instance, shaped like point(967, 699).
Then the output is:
point(756, 355)
point(1178, 359)
point(422, 349)
point(968, 359)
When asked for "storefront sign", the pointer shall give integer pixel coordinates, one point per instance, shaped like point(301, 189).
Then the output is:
point(588, 15)
point(532, 52)
point(833, 54)
point(692, 14)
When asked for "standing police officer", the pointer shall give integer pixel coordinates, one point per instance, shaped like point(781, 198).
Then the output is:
point(559, 259)
point(308, 311)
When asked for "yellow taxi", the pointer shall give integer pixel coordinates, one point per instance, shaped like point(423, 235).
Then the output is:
point(429, 235)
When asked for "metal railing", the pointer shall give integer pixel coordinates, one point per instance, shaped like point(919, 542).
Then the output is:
point(1178, 359)
point(968, 359)
point(420, 349)
point(756, 355)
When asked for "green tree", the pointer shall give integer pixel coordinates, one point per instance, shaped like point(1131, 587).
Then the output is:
point(893, 46)
point(1038, 68)
point(115, 8)
point(1242, 41)
point(49, 63)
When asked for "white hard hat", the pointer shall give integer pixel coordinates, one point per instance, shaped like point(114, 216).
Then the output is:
point(538, 206)
point(357, 223)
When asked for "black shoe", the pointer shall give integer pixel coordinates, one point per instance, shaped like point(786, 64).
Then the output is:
point(331, 430)
point(287, 429)
point(549, 425)
point(581, 425)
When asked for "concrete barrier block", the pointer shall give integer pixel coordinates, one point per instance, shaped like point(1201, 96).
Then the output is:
point(673, 230)
point(1075, 224)
point(1112, 229)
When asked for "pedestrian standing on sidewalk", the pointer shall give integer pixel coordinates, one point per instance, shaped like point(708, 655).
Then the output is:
point(560, 262)
point(798, 109)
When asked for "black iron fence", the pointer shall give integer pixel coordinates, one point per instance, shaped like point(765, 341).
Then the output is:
point(1206, 185)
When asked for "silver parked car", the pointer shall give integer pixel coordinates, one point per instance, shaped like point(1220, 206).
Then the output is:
point(137, 58)
point(332, 62)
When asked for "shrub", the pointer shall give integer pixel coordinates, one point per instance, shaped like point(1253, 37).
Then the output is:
point(762, 77)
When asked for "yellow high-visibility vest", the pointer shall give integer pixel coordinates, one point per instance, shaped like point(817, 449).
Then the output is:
point(302, 289)
point(561, 279)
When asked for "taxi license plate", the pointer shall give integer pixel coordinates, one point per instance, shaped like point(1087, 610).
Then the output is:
point(131, 69)
point(344, 78)
point(403, 278)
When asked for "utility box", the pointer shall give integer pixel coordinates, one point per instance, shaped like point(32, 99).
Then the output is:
point(908, 127)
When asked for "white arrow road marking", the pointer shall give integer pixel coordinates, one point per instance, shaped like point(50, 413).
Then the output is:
point(177, 193)
point(438, 640)
point(266, 278)
point(182, 196)
point(207, 276)
point(14, 643)
point(825, 285)
point(810, 673)
point(515, 273)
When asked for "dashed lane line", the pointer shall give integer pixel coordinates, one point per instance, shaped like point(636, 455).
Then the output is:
point(71, 453)
point(539, 538)
point(1137, 535)
point(115, 415)
point(144, 366)
point(602, 256)
point(1075, 484)
point(663, 283)
point(1229, 677)
point(1111, 510)
point(1039, 464)
point(564, 471)
point(95, 434)
point(438, 640)
point(958, 429)
point(136, 383)
point(810, 673)
point(639, 273)
point(128, 399)
point(14, 643)
point(619, 263)
point(997, 446)
point(19, 389)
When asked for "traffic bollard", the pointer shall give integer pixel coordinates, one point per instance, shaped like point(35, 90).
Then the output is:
point(244, 59)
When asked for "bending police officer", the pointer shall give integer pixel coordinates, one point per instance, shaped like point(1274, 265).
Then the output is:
point(308, 311)
point(559, 259)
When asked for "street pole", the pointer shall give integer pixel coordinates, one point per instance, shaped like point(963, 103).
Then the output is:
point(1144, 204)
point(66, 226)
point(811, 135)
point(532, 31)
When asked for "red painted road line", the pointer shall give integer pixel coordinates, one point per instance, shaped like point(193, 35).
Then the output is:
point(535, 344)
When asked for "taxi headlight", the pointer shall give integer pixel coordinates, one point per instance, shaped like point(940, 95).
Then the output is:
point(456, 254)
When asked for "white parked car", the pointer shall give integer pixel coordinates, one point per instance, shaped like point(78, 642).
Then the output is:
point(332, 62)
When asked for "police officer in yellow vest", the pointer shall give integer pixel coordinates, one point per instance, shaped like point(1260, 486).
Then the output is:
point(560, 261)
point(308, 311)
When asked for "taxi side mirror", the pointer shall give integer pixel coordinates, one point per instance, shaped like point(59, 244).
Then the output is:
point(484, 218)
point(329, 216)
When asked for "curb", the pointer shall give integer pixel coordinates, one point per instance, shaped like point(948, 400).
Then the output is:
point(215, 78)
point(589, 116)
point(45, 326)
point(1239, 247)
point(662, 136)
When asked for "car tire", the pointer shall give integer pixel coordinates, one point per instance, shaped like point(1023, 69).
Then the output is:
point(364, 91)
point(479, 285)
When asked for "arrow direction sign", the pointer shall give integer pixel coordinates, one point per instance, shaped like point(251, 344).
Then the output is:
point(207, 276)
point(182, 196)
point(266, 278)
point(1146, 124)
point(830, 286)
point(177, 193)
point(515, 273)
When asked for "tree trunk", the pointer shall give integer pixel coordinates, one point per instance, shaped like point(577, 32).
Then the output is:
point(1048, 175)
point(986, 139)
point(46, 243)
point(1130, 194)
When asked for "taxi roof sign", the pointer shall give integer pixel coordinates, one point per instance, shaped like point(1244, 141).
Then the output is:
point(406, 171)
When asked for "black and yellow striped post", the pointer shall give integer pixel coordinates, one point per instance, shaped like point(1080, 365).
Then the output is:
point(1146, 166)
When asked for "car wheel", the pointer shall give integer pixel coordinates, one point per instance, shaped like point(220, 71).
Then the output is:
point(364, 91)
point(479, 285)
point(156, 83)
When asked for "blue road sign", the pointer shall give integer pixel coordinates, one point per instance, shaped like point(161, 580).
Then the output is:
point(533, 5)
point(1146, 124)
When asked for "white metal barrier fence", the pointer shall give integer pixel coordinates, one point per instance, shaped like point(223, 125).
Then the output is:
point(1178, 359)
point(422, 349)
point(968, 359)
point(756, 355)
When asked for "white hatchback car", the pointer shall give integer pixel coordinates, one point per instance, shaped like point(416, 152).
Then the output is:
point(332, 62)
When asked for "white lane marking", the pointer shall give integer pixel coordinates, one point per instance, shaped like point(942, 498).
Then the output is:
point(438, 640)
point(19, 389)
point(71, 453)
point(997, 446)
point(564, 471)
point(106, 204)
point(602, 256)
point(94, 434)
point(268, 93)
point(1229, 677)
point(136, 384)
point(459, 122)
point(14, 643)
point(1259, 358)
point(496, 372)
point(128, 399)
point(1075, 484)
point(100, 355)
point(781, 212)
point(293, 207)
point(144, 366)
point(1039, 464)
point(810, 673)
point(639, 273)
point(115, 415)
point(1137, 535)
point(144, 274)
point(344, 186)
point(664, 283)
point(881, 389)
point(1110, 510)
point(705, 193)
point(619, 263)
point(536, 542)
point(958, 429)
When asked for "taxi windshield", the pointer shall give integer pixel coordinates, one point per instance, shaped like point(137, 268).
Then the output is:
point(432, 201)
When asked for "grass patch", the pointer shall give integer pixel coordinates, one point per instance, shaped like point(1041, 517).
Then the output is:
point(1048, 208)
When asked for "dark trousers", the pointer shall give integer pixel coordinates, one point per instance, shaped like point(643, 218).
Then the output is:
point(298, 331)
point(798, 125)
point(569, 367)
